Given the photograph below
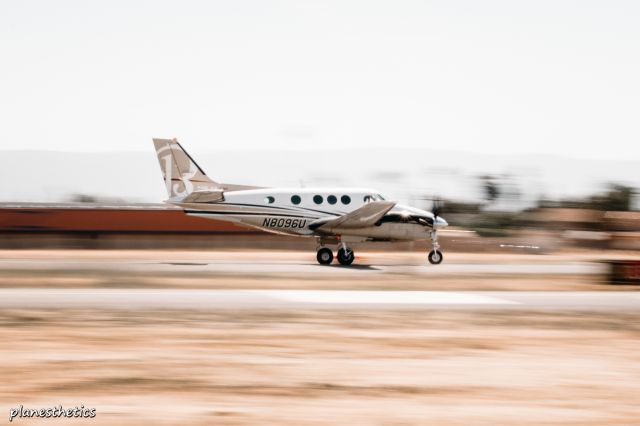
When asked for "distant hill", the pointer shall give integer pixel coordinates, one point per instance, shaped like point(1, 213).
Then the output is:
point(405, 174)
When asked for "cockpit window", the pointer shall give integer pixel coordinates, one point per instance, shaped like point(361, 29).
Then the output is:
point(373, 197)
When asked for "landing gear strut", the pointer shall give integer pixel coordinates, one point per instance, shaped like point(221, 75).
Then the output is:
point(435, 256)
point(345, 255)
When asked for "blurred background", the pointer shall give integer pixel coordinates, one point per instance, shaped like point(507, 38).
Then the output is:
point(520, 119)
point(502, 202)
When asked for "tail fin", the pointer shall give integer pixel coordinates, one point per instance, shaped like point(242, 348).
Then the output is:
point(182, 175)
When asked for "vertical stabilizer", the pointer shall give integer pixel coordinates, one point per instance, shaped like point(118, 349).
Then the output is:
point(182, 175)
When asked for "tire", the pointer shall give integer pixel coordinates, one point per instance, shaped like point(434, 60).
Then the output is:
point(435, 257)
point(345, 258)
point(324, 256)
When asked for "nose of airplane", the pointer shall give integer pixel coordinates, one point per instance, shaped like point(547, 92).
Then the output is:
point(441, 223)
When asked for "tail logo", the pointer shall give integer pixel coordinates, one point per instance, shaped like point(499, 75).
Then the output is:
point(185, 178)
point(174, 188)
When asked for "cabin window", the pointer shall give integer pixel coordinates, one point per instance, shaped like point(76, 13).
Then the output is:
point(331, 199)
point(368, 198)
point(269, 200)
point(318, 199)
point(345, 199)
point(295, 199)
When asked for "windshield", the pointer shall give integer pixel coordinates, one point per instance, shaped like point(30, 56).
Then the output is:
point(373, 197)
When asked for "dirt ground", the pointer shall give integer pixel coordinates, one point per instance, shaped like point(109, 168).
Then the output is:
point(313, 368)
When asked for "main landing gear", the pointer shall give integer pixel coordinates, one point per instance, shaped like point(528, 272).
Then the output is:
point(345, 255)
point(435, 255)
point(324, 256)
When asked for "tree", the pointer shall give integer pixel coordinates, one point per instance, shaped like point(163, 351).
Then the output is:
point(490, 187)
point(617, 198)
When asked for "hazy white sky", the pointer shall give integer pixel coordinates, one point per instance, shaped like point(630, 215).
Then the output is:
point(498, 76)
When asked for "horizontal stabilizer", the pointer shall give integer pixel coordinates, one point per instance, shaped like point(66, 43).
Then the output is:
point(204, 197)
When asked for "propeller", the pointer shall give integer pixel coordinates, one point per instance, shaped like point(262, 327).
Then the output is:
point(436, 208)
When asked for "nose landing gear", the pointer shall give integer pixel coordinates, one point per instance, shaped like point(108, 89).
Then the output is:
point(435, 256)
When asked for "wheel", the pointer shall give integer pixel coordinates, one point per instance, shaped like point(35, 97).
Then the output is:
point(345, 257)
point(324, 256)
point(435, 257)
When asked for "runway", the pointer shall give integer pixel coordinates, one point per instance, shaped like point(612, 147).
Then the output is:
point(217, 300)
point(298, 267)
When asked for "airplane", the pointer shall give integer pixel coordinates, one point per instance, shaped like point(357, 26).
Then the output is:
point(341, 216)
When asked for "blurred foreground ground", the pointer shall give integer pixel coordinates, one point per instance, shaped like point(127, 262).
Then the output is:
point(312, 367)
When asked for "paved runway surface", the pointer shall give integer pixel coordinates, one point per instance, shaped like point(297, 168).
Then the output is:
point(317, 299)
point(292, 267)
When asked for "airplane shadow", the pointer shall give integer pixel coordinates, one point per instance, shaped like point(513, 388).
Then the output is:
point(359, 267)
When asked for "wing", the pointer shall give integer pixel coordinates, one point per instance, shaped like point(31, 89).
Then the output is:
point(363, 217)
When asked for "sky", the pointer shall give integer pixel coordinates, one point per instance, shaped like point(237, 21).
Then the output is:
point(546, 77)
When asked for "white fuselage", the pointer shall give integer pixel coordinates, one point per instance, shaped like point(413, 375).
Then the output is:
point(290, 211)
